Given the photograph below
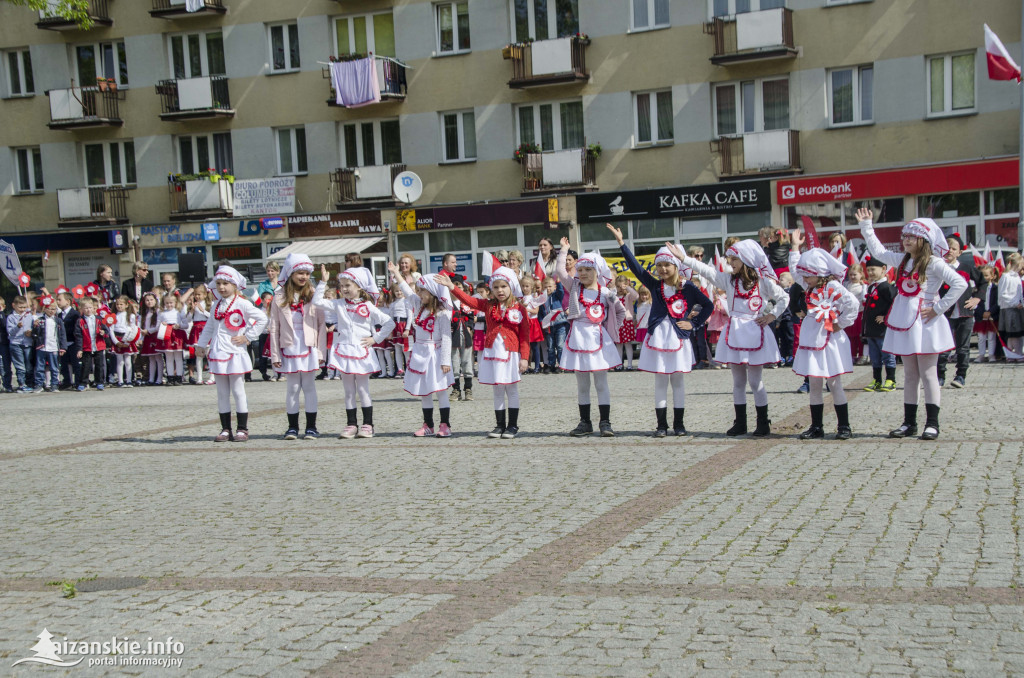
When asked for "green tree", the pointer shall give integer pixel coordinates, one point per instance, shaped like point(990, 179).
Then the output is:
point(72, 10)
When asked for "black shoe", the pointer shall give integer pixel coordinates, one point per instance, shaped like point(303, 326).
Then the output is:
point(291, 434)
point(764, 424)
point(605, 427)
point(248, 377)
point(266, 377)
point(584, 428)
point(739, 425)
point(930, 432)
point(496, 432)
point(904, 431)
point(660, 433)
point(844, 433)
point(546, 370)
point(311, 434)
point(812, 432)
point(510, 432)
point(680, 431)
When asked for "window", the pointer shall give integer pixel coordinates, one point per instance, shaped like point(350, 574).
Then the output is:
point(652, 118)
point(951, 84)
point(649, 14)
point(458, 136)
point(544, 19)
point(371, 143)
point(751, 106)
point(452, 27)
point(19, 73)
point(284, 47)
point(732, 7)
point(366, 33)
point(110, 164)
point(291, 150)
point(102, 60)
point(850, 97)
point(552, 126)
point(30, 170)
point(204, 151)
point(195, 55)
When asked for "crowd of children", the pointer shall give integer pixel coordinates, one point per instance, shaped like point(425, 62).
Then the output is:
point(768, 305)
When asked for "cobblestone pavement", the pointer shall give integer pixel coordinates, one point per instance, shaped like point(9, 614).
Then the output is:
point(542, 556)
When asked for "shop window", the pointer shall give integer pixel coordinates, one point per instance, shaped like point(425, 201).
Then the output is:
point(20, 82)
point(946, 205)
point(885, 211)
point(663, 229)
point(533, 233)
point(691, 228)
point(951, 87)
point(850, 96)
point(458, 136)
point(544, 19)
point(102, 60)
point(164, 256)
point(652, 118)
point(456, 240)
point(284, 47)
point(30, 169)
point(196, 55)
point(497, 238)
point(1002, 201)
point(552, 126)
point(826, 216)
point(748, 222)
point(751, 106)
point(366, 34)
point(648, 14)
point(410, 242)
point(371, 143)
point(452, 27)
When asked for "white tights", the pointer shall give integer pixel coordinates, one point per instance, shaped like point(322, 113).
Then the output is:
point(661, 382)
point(442, 400)
point(748, 374)
point(156, 369)
point(604, 396)
point(987, 344)
point(229, 385)
point(356, 384)
point(300, 381)
point(923, 370)
point(835, 387)
point(629, 352)
point(124, 368)
point(175, 363)
point(501, 391)
point(399, 359)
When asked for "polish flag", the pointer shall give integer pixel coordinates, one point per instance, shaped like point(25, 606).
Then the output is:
point(999, 263)
point(538, 271)
point(490, 264)
point(987, 255)
point(719, 262)
point(1001, 65)
point(979, 260)
point(836, 251)
point(851, 256)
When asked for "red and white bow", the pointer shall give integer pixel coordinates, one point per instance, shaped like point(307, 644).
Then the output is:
point(823, 306)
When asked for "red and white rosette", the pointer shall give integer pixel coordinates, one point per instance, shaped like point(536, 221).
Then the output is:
point(515, 316)
point(78, 292)
point(363, 310)
point(61, 290)
point(24, 279)
point(92, 289)
point(755, 303)
point(595, 313)
point(45, 300)
point(823, 306)
point(110, 320)
point(677, 309)
point(234, 320)
point(909, 286)
point(428, 324)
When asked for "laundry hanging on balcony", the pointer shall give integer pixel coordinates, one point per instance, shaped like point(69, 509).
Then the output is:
point(355, 82)
point(194, 5)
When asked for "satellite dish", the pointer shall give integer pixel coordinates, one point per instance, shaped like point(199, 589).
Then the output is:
point(408, 187)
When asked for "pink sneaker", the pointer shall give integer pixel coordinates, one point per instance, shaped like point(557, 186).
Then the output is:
point(424, 431)
point(444, 431)
point(365, 431)
point(349, 432)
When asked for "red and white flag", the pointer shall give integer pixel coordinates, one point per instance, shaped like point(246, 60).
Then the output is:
point(810, 232)
point(46, 256)
point(719, 262)
point(987, 254)
point(489, 265)
point(1001, 65)
point(538, 271)
point(999, 264)
point(979, 260)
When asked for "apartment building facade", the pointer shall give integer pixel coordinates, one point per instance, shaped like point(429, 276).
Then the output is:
point(228, 129)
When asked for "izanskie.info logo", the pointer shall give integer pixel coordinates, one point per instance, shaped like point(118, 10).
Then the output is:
point(114, 652)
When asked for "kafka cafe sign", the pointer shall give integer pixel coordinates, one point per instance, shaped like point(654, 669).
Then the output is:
point(685, 201)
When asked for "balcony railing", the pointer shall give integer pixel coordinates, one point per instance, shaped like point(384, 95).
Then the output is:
point(50, 20)
point(390, 80)
point(80, 107)
point(92, 206)
point(364, 184)
point(753, 36)
point(194, 98)
point(548, 62)
point(777, 151)
point(574, 169)
point(201, 197)
point(183, 9)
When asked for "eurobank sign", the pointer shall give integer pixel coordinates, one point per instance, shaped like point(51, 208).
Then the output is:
point(924, 180)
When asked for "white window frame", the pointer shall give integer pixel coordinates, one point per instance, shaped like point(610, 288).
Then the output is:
point(556, 122)
point(947, 85)
point(19, 55)
point(858, 107)
point(655, 141)
point(204, 57)
point(531, 20)
point(371, 45)
point(286, 41)
point(461, 130)
point(758, 105)
point(97, 49)
point(454, 7)
point(108, 165)
point(291, 131)
point(378, 142)
point(755, 6)
point(651, 26)
point(211, 145)
point(30, 153)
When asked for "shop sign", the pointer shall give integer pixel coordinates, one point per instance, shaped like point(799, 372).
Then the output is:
point(237, 252)
point(334, 224)
point(211, 231)
point(474, 216)
point(172, 233)
point(683, 201)
point(253, 197)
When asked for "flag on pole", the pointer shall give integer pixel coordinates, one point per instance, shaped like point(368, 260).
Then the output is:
point(810, 233)
point(46, 256)
point(999, 263)
point(1001, 65)
point(719, 262)
point(979, 260)
point(987, 254)
point(851, 256)
point(538, 271)
point(490, 264)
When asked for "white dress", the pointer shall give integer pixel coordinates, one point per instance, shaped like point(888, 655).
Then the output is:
point(429, 350)
point(906, 333)
point(664, 351)
point(820, 352)
point(237, 317)
point(496, 364)
point(355, 321)
point(589, 347)
point(743, 341)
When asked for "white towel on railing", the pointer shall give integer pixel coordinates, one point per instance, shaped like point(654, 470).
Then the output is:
point(194, 5)
point(534, 162)
point(374, 182)
point(563, 167)
point(355, 82)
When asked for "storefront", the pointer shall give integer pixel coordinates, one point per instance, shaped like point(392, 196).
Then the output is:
point(326, 238)
point(978, 200)
point(73, 257)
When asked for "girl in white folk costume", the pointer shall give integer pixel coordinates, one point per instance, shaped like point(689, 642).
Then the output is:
point(594, 315)
point(823, 353)
point(171, 337)
point(755, 300)
point(352, 353)
point(297, 333)
point(126, 335)
point(234, 322)
point(197, 311)
point(429, 366)
point(505, 344)
point(149, 324)
point(916, 328)
point(667, 350)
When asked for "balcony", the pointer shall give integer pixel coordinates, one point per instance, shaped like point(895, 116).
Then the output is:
point(51, 21)
point(83, 107)
point(347, 76)
point(759, 153)
point(195, 98)
point(752, 36)
point(201, 198)
point(364, 185)
point(564, 171)
point(96, 206)
point(548, 62)
point(186, 9)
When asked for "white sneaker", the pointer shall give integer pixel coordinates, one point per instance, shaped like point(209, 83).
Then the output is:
point(349, 432)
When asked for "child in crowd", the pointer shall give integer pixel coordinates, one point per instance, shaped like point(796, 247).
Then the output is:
point(383, 348)
point(784, 333)
point(91, 346)
point(463, 318)
point(331, 322)
point(5, 351)
point(399, 312)
point(1011, 307)
point(855, 284)
point(19, 332)
point(197, 312)
point(878, 298)
point(643, 313)
point(553, 315)
point(533, 300)
point(627, 297)
point(263, 362)
point(986, 315)
point(719, 320)
point(69, 316)
point(51, 342)
point(125, 336)
point(149, 325)
point(171, 337)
